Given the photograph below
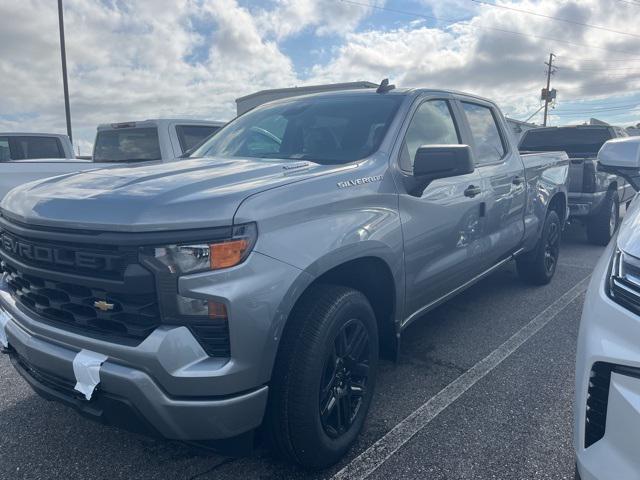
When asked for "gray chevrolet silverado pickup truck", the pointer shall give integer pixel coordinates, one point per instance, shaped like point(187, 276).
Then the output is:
point(256, 284)
point(594, 196)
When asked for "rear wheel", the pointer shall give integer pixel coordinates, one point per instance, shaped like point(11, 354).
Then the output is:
point(324, 376)
point(602, 225)
point(539, 265)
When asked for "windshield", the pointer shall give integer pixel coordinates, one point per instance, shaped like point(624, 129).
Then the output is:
point(333, 130)
point(574, 141)
point(127, 145)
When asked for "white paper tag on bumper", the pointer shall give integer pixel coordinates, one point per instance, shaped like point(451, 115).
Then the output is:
point(86, 368)
point(4, 318)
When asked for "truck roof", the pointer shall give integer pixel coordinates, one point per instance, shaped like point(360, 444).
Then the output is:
point(32, 134)
point(372, 92)
point(586, 127)
point(151, 122)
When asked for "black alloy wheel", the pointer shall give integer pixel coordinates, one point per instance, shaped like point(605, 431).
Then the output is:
point(344, 380)
point(552, 248)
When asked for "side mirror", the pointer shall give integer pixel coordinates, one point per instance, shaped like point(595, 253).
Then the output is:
point(621, 156)
point(442, 161)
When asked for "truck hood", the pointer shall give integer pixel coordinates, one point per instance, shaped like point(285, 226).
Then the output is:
point(184, 194)
point(628, 239)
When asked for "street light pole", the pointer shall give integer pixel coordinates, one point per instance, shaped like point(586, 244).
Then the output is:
point(65, 85)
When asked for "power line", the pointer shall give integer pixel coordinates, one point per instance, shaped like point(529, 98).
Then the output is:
point(530, 35)
point(550, 17)
point(580, 69)
point(614, 114)
point(594, 111)
point(629, 2)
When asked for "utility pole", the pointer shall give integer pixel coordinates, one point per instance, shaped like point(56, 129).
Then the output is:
point(547, 97)
point(65, 85)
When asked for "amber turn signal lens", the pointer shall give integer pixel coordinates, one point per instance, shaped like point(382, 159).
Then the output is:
point(217, 310)
point(227, 254)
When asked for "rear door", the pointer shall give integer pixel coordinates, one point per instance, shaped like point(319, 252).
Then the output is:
point(503, 179)
point(441, 226)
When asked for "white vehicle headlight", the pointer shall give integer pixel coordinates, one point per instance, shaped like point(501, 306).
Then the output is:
point(624, 280)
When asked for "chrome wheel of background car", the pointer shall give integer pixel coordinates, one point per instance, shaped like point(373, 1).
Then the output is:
point(613, 218)
point(344, 379)
point(552, 247)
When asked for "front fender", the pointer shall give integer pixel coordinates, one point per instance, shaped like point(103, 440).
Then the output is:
point(315, 225)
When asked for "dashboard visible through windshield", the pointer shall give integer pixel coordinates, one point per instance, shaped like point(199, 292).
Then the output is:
point(334, 130)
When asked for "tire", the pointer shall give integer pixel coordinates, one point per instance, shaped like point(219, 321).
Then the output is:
point(603, 224)
point(316, 364)
point(538, 266)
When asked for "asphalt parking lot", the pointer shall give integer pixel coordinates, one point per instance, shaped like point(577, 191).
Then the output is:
point(483, 390)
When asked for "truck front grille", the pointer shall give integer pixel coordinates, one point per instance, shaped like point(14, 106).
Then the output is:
point(626, 294)
point(98, 284)
point(84, 287)
point(85, 308)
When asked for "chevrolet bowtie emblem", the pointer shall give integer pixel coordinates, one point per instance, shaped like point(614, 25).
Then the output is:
point(102, 305)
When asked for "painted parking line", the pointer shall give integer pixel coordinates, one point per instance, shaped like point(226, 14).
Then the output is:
point(368, 461)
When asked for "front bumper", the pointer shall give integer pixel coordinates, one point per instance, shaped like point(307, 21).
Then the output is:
point(127, 396)
point(168, 381)
point(609, 335)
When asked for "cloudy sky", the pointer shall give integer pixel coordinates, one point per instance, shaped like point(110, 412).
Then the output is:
point(135, 59)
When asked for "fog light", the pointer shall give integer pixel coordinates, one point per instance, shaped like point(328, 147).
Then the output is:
point(193, 307)
point(198, 307)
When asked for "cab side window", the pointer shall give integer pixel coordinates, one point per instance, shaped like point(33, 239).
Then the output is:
point(5, 154)
point(191, 135)
point(432, 124)
point(489, 146)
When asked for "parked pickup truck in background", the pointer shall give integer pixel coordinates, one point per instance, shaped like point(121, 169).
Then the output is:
point(150, 140)
point(157, 139)
point(594, 196)
point(258, 282)
point(25, 146)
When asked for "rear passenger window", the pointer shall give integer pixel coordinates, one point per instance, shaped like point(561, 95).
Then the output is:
point(432, 124)
point(192, 135)
point(38, 147)
point(489, 147)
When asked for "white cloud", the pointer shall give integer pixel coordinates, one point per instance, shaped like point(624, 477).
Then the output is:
point(139, 59)
point(476, 56)
point(289, 17)
point(128, 60)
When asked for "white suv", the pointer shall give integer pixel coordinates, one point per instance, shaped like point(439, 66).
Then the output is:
point(607, 413)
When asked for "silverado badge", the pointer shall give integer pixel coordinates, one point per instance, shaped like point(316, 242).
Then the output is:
point(359, 181)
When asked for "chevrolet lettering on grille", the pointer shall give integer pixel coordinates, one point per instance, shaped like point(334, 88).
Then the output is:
point(61, 256)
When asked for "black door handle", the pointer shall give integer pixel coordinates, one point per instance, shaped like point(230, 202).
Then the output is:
point(518, 179)
point(472, 191)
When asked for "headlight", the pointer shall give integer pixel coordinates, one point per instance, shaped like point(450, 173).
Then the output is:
point(624, 281)
point(203, 256)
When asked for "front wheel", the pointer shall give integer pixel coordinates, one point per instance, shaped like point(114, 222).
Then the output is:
point(539, 265)
point(324, 376)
